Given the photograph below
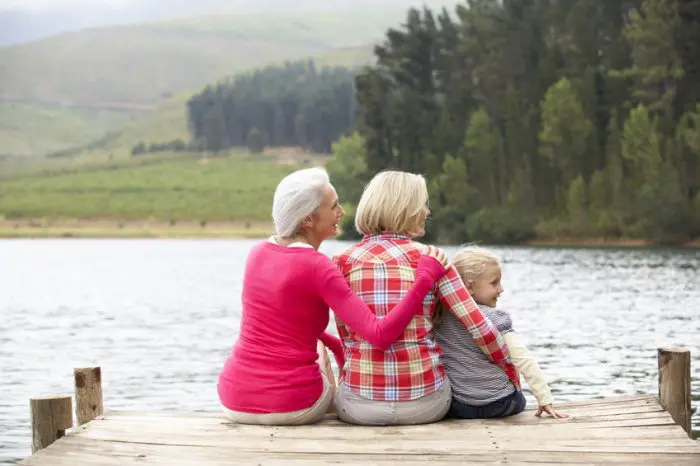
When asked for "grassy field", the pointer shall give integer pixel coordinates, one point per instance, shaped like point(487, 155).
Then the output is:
point(165, 189)
point(31, 129)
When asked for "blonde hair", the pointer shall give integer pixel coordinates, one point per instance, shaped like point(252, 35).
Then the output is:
point(471, 263)
point(392, 201)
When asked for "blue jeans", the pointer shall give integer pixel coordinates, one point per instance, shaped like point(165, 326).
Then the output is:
point(506, 406)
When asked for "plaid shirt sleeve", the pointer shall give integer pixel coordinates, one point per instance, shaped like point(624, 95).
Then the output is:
point(454, 296)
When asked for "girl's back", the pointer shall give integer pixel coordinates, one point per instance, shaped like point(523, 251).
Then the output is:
point(474, 378)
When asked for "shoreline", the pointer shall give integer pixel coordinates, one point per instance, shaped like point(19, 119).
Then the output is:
point(112, 229)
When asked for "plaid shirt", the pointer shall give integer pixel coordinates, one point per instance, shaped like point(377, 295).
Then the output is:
point(380, 270)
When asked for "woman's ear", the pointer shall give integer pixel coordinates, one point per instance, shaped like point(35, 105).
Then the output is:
point(307, 222)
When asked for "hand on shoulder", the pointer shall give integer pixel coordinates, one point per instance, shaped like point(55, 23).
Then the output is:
point(436, 253)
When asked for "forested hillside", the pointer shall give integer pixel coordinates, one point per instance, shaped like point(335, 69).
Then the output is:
point(543, 119)
point(290, 105)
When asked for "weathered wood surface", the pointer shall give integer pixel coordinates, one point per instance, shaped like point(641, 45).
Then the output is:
point(627, 430)
point(674, 384)
point(51, 417)
point(88, 393)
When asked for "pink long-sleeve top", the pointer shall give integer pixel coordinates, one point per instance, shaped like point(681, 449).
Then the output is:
point(286, 295)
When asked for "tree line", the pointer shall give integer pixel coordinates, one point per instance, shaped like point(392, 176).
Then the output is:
point(296, 104)
point(538, 118)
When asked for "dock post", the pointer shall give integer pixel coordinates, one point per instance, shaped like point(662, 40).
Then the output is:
point(51, 417)
point(88, 394)
point(674, 384)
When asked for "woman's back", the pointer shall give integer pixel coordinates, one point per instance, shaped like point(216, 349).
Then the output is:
point(281, 321)
point(380, 270)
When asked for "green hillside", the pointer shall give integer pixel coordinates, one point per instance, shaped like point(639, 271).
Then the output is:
point(118, 73)
point(166, 188)
point(169, 120)
point(148, 63)
point(31, 129)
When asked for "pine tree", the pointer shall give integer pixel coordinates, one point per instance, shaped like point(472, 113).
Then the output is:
point(565, 131)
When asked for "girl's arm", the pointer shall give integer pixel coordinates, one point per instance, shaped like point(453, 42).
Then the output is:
point(526, 364)
point(381, 333)
point(334, 344)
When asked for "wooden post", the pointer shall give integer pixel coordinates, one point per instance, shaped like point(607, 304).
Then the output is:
point(674, 384)
point(88, 394)
point(51, 416)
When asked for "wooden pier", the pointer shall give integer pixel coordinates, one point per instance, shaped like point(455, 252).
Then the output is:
point(624, 430)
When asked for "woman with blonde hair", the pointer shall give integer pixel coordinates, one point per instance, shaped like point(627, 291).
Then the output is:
point(271, 377)
point(406, 383)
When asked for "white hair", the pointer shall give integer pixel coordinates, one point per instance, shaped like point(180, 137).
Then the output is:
point(298, 194)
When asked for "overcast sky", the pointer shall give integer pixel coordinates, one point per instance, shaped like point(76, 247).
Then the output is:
point(44, 4)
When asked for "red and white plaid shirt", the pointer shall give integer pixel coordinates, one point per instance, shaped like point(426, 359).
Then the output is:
point(380, 270)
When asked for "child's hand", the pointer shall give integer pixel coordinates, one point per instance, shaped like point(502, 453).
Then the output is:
point(549, 409)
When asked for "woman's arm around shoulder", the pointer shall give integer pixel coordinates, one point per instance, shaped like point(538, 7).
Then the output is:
point(338, 295)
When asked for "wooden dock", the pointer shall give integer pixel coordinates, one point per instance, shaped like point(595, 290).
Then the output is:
point(625, 430)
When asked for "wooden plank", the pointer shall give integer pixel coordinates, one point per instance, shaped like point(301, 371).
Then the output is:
point(79, 451)
point(613, 402)
point(391, 443)
point(523, 418)
point(626, 430)
point(608, 400)
point(465, 429)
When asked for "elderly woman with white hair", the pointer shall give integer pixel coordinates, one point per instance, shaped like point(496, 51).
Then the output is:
point(406, 383)
point(271, 377)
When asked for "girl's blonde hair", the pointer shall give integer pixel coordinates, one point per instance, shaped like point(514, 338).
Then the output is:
point(393, 201)
point(471, 263)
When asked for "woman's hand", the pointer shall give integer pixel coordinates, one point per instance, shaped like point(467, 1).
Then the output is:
point(549, 409)
point(432, 265)
point(438, 254)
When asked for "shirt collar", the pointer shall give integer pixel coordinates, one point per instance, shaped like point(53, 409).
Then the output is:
point(385, 236)
point(273, 239)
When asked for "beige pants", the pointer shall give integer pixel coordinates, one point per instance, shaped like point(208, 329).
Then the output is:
point(309, 415)
point(354, 409)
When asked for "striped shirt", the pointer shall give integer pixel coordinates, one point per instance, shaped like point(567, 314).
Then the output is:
point(380, 269)
point(475, 380)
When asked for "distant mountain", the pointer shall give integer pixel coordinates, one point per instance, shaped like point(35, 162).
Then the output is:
point(19, 25)
point(29, 23)
point(66, 90)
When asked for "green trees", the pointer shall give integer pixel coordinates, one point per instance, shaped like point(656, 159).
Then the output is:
point(564, 119)
point(292, 105)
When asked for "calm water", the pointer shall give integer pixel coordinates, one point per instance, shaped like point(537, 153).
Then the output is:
point(160, 317)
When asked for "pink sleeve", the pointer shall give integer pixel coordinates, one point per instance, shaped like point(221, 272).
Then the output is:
point(333, 343)
point(381, 333)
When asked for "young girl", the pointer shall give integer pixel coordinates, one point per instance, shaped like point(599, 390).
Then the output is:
point(481, 389)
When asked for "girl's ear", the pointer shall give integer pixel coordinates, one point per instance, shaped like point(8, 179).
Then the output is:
point(470, 286)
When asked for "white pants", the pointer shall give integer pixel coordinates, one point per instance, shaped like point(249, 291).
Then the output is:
point(309, 415)
point(354, 409)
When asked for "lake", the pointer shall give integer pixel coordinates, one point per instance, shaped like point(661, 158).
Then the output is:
point(160, 317)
